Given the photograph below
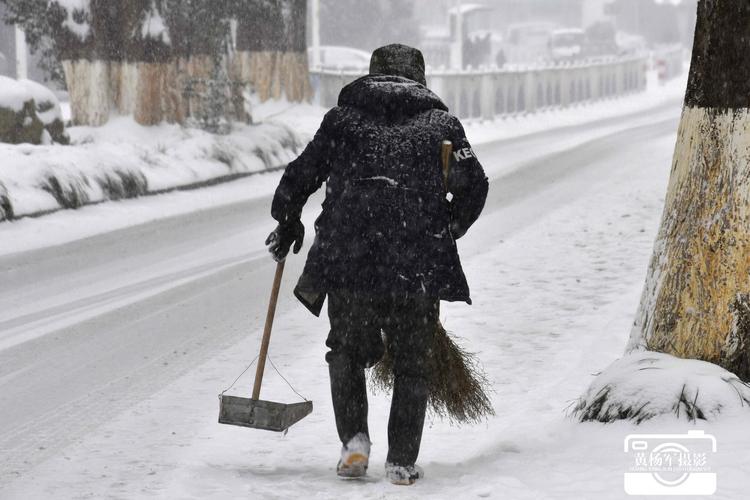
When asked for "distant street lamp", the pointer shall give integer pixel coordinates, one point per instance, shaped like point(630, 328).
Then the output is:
point(458, 43)
point(315, 5)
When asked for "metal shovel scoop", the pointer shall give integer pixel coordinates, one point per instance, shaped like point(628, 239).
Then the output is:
point(254, 412)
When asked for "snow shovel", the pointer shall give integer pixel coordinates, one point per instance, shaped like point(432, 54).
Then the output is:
point(255, 412)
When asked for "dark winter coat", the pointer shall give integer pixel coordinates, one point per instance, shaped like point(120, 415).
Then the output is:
point(386, 224)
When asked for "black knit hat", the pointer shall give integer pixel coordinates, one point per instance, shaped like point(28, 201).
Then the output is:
point(398, 60)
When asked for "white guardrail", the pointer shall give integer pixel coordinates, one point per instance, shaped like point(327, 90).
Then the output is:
point(487, 93)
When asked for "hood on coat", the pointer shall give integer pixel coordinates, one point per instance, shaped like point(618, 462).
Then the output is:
point(388, 95)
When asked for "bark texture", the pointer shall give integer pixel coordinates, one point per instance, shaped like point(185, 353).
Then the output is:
point(695, 302)
point(720, 69)
point(272, 49)
point(88, 86)
point(153, 58)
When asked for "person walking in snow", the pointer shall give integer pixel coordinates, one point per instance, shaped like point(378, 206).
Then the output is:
point(384, 252)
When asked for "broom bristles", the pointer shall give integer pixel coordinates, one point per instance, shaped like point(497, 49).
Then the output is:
point(456, 381)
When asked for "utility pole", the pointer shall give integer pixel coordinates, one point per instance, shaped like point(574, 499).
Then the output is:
point(315, 6)
point(458, 43)
point(22, 67)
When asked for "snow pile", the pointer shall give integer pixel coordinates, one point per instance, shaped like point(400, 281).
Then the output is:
point(645, 384)
point(124, 160)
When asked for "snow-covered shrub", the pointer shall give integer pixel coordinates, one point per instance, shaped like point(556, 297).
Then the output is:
point(644, 384)
point(29, 113)
point(48, 110)
point(72, 192)
point(6, 208)
point(120, 184)
point(124, 160)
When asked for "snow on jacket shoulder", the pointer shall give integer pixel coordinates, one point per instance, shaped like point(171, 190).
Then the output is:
point(386, 225)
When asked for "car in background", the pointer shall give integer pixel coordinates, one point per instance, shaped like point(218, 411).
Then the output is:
point(566, 44)
point(334, 57)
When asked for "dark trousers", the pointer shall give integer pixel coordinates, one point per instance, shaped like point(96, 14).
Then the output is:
point(356, 343)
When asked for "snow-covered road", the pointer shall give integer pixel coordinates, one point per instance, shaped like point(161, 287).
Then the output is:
point(113, 348)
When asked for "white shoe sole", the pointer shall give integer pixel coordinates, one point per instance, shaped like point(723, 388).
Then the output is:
point(355, 466)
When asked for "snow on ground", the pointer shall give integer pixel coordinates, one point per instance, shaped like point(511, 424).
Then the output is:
point(553, 302)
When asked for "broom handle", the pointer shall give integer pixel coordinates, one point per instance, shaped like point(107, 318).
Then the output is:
point(446, 149)
point(445, 155)
point(267, 330)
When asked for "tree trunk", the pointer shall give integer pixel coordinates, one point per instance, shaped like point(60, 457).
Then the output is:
point(84, 64)
point(137, 57)
point(696, 301)
point(97, 57)
point(88, 88)
point(116, 22)
point(197, 68)
point(157, 97)
point(272, 49)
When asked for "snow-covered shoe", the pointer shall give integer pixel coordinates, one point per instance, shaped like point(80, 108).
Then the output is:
point(355, 456)
point(403, 475)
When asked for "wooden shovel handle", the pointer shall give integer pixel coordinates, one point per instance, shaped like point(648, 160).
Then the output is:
point(267, 330)
point(445, 155)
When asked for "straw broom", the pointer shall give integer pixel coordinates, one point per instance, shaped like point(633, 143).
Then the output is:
point(456, 386)
point(457, 382)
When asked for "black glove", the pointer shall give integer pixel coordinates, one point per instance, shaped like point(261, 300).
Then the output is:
point(281, 239)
